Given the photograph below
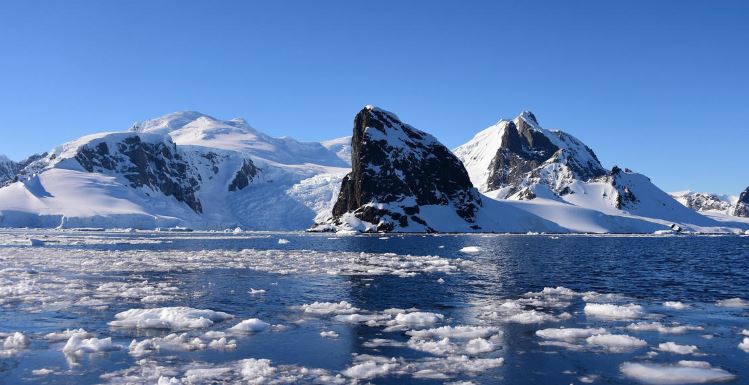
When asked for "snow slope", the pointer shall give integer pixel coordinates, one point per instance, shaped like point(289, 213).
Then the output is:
point(285, 192)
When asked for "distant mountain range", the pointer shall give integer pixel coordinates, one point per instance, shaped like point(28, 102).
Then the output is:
point(193, 170)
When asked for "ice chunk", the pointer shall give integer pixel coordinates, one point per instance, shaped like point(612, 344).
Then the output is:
point(672, 347)
point(323, 308)
point(328, 334)
point(65, 335)
point(611, 311)
point(616, 343)
point(480, 345)
point(256, 291)
point(174, 318)
point(282, 241)
point(660, 328)
point(732, 302)
point(568, 334)
point(462, 332)
point(675, 305)
point(470, 249)
point(744, 345)
point(79, 345)
point(684, 372)
point(418, 319)
point(252, 325)
point(369, 369)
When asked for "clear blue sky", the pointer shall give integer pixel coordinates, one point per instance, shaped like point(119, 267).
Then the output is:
point(661, 87)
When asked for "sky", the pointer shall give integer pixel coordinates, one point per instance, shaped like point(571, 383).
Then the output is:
point(661, 87)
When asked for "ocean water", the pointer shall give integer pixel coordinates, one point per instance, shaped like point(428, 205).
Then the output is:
point(394, 309)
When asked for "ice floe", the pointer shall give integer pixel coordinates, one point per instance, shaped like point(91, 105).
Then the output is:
point(732, 302)
point(616, 343)
point(470, 249)
point(77, 345)
point(179, 342)
point(252, 325)
point(328, 334)
point(673, 347)
point(614, 312)
point(675, 305)
point(13, 344)
point(661, 328)
point(567, 334)
point(173, 318)
point(325, 308)
point(683, 372)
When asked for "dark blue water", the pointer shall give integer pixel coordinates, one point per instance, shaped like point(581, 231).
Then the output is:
point(698, 271)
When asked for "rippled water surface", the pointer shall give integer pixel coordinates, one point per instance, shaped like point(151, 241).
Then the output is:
point(371, 309)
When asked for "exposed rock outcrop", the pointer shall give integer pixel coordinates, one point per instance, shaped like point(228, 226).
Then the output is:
point(400, 179)
point(742, 206)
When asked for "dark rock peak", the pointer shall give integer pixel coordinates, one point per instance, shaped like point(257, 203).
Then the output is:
point(398, 165)
point(244, 176)
point(742, 206)
point(158, 166)
point(525, 147)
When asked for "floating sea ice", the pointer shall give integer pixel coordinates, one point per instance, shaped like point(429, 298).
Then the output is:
point(470, 249)
point(252, 325)
point(566, 334)
point(282, 241)
point(744, 345)
point(417, 319)
point(13, 344)
point(362, 318)
point(368, 370)
point(79, 345)
point(480, 345)
point(675, 305)
point(256, 291)
point(683, 372)
point(459, 332)
point(732, 302)
point(616, 343)
point(179, 342)
point(65, 335)
point(324, 308)
point(328, 334)
point(42, 372)
point(660, 328)
point(610, 311)
point(174, 318)
point(672, 347)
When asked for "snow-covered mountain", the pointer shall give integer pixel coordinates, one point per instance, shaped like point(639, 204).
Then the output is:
point(185, 169)
point(402, 179)
point(518, 160)
point(705, 202)
point(341, 146)
point(191, 169)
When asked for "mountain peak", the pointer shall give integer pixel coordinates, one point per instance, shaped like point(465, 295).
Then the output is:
point(530, 118)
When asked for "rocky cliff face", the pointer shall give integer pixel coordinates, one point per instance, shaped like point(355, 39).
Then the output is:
point(513, 155)
point(10, 170)
point(397, 173)
point(148, 161)
point(742, 206)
